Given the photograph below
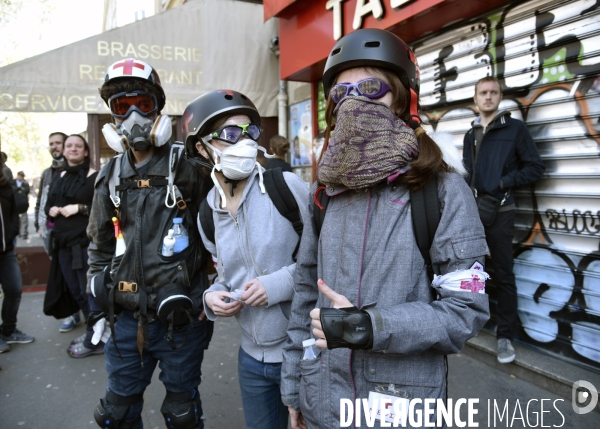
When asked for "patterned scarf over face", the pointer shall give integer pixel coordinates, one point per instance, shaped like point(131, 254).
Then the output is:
point(369, 143)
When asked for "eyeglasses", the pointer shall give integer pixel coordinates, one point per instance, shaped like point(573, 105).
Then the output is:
point(371, 88)
point(122, 104)
point(233, 133)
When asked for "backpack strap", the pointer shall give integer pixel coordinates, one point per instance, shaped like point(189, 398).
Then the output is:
point(114, 170)
point(173, 193)
point(320, 202)
point(206, 220)
point(284, 201)
point(425, 211)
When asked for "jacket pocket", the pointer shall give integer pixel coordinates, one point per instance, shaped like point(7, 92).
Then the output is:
point(471, 247)
point(415, 370)
point(310, 392)
point(269, 324)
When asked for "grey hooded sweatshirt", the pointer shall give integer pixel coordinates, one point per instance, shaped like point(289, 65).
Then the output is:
point(257, 243)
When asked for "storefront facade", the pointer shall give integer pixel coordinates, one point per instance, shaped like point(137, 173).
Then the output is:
point(189, 47)
point(546, 55)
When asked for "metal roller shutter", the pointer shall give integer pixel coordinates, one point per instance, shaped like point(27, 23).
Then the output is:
point(547, 57)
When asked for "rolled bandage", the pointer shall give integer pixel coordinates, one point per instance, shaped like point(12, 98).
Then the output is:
point(462, 281)
point(236, 294)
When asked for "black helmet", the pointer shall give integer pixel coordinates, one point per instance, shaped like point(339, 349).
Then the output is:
point(376, 48)
point(130, 68)
point(210, 106)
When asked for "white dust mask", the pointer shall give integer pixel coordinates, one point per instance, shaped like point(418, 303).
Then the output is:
point(237, 162)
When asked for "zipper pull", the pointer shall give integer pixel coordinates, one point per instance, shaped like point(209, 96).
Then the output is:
point(235, 220)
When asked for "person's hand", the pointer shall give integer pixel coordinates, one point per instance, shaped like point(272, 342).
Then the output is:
point(69, 210)
point(296, 419)
point(255, 295)
point(339, 301)
point(216, 302)
point(97, 320)
point(202, 316)
point(54, 211)
point(101, 332)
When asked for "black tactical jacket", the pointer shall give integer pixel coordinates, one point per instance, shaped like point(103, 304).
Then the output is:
point(145, 221)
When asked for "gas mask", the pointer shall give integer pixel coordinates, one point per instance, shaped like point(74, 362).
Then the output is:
point(237, 162)
point(138, 132)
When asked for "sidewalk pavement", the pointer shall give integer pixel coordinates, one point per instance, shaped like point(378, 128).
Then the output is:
point(43, 388)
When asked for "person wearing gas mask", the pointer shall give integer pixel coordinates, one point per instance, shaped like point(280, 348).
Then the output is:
point(147, 306)
point(251, 242)
point(363, 288)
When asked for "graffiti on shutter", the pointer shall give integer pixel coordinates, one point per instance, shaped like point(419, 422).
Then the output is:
point(546, 54)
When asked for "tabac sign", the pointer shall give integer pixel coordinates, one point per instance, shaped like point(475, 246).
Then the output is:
point(185, 45)
point(363, 9)
point(308, 30)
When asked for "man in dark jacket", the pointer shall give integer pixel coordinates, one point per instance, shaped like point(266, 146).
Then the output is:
point(135, 202)
point(499, 155)
point(43, 226)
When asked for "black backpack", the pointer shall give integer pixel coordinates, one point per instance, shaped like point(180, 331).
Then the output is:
point(425, 217)
point(282, 198)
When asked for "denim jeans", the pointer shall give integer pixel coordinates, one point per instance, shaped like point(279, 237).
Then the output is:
point(12, 285)
point(180, 369)
point(259, 383)
point(499, 237)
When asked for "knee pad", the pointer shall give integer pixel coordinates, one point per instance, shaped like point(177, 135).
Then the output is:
point(182, 410)
point(113, 408)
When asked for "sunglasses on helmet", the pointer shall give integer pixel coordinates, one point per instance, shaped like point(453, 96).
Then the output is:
point(233, 133)
point(122, 104)
point(371, 88)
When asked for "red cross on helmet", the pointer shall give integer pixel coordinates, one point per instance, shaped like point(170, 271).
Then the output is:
point(130, 68)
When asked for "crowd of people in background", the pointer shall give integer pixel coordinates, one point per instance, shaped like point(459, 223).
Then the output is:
point(134, 243)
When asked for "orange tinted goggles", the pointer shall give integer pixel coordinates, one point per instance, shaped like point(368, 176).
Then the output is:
point(122, 104)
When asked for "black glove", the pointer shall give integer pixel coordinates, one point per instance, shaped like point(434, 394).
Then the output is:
point(94, 317)
point(101, 286)
point(347, 327)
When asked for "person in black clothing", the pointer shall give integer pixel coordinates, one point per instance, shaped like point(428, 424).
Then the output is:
point(10, 275)
point(69, 202)
point(7, 171)
point(21, 189)
point(42, 225)
point(144, 188)
point(499, 155)
point(280, 147)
